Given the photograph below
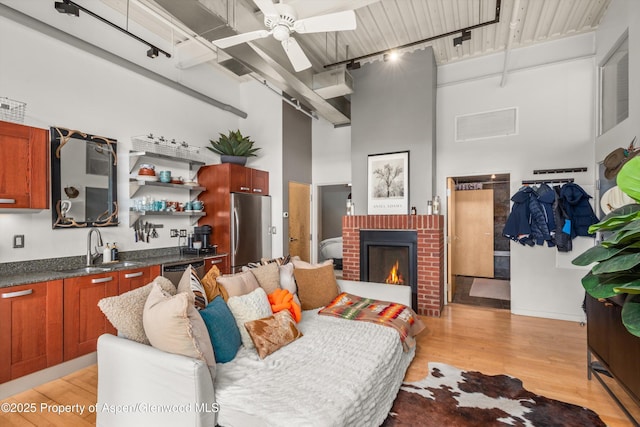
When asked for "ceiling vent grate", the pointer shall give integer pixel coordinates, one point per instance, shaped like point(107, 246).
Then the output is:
point(489, 124)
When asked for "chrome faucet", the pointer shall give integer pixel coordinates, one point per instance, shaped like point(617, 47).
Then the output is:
point(90, 255)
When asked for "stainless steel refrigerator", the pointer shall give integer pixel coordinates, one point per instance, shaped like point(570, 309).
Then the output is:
point(250, 229)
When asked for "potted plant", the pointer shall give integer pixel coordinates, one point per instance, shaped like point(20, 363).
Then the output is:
point(617, 257)
point(234, 147)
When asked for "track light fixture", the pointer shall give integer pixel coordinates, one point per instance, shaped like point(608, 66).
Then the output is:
point(153, 52)
point(464, 36)
point(353, 65)
point(66, 7)
point(71, 8)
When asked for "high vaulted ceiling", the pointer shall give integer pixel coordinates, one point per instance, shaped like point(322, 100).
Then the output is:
point(382, 25)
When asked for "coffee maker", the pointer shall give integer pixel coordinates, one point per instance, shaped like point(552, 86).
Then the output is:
point(200, 241)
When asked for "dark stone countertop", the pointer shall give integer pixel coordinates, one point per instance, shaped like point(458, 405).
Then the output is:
point(25, 272)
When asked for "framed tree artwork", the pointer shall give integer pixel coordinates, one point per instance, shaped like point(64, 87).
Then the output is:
point(388, 183)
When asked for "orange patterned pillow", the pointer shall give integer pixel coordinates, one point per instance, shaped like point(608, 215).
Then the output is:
point(273, 332)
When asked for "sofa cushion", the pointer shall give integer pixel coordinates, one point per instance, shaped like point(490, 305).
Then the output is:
point(298, 263)
point(190, 283)
point(245, 308)
point(238, 284)
point(273, 332)
point(317, 287)
point(268, 276)
point(223, 330)
point(173, 324)
point(288, 282)
point(124, 311)
point(211, 286)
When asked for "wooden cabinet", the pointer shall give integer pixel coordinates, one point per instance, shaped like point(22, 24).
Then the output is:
point(30, 328)
point(83, 320)
point(24, 167)
point(221, 261)
point(132, 279)
point(220, 181)
point(614, 347)
point(236, 178)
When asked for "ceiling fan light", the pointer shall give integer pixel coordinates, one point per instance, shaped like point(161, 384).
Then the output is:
point(281, 32)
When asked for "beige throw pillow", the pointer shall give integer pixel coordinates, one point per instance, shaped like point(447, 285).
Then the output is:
point(268, 277)
point(317, 287)
point(124, 311)
point(288, 282)
point(174, 325)
point(238, 284)
point(273, 333)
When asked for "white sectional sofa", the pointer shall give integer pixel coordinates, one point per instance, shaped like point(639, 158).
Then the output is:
point(349, 376)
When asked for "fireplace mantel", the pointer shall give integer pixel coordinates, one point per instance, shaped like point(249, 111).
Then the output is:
point(430, 252)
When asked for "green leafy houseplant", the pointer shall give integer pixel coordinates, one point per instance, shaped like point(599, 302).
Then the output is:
point(234, 144)
point(617, 271)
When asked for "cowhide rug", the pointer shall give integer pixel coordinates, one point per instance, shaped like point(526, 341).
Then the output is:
point(451, 397)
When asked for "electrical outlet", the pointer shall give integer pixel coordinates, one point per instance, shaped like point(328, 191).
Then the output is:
point(18, 241)
point(173, 232)
point(183, 233)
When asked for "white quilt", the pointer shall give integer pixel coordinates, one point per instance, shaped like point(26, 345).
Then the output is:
point(340, 373)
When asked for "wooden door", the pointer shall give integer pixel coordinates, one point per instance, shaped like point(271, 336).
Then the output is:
point(30, 328)
point(132, 279)
point(473, 241)
point(300, 220)
point(83, 320)
point(24, 167)
point(451, 232)
point(260, 182)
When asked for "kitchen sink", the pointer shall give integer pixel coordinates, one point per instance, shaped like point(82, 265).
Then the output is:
point(88, 270)
point(121, 264)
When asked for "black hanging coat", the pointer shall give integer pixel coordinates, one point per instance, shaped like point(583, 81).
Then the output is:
point(575, 202)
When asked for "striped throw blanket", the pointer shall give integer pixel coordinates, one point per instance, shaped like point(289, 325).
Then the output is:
point(397, 316)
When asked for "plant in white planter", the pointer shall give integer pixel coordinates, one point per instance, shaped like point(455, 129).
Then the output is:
point(234, 147)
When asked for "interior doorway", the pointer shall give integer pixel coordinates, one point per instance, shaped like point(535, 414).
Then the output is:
point(300, 220)
point(478, 267)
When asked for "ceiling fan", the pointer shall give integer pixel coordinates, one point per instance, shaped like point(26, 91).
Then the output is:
point(280, 19)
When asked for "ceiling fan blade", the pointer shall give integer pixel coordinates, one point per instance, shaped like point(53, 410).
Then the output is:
point(267, 7)
point(339, 21)
point(297, 57)
point(241, 38)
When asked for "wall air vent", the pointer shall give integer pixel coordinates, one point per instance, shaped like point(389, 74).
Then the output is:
point(488, 124)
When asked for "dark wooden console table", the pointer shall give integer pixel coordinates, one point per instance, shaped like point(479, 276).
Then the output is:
point(616, 350)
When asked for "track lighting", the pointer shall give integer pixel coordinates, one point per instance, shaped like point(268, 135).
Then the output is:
point(71, 8)
point(153, 52)
point(464, 36)
point(67, 7)
point(353, 65)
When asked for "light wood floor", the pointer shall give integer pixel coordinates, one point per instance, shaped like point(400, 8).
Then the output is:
point(549, 356)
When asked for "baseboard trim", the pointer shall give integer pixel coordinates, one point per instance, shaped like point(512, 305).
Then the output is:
point(21, 384)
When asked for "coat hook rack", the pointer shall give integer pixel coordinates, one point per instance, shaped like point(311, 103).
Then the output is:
point(565, 170)
point(546, 181)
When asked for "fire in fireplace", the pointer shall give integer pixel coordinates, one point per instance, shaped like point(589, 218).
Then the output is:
point(390, 256)
point(395, 277)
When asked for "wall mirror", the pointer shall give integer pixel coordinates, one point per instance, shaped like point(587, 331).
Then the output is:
point(83, 179)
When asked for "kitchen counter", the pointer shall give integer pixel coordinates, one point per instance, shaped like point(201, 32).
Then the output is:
point(13, 274)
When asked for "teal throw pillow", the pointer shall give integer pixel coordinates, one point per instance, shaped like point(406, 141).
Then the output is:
point(223, 330)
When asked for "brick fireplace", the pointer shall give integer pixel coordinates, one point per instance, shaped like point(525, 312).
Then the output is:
point(430, 249)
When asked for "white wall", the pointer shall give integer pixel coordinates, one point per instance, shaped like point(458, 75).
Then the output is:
point(67, 87)
point(621, 15)
point(265, 111)
point(331, 164)
point(556, 130)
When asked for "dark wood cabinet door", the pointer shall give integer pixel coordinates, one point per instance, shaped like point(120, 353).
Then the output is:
point(83, 320)
point(24, 167)
point(220, 261)
point(129, 280)
point(239, 178)
point(30, 328)
point(260, 182)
